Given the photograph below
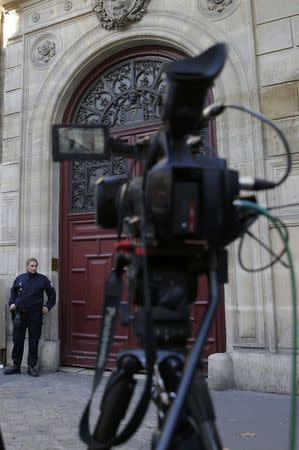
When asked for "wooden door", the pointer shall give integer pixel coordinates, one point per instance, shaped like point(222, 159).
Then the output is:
point(123, 94)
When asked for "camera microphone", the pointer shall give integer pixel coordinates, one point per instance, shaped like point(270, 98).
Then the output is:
point(213, 110)
point(255, 184)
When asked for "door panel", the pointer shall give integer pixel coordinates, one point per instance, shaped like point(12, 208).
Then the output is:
point(216, 336)
point(90, 262)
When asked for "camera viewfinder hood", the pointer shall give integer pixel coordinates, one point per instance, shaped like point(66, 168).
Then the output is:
point(188, 81)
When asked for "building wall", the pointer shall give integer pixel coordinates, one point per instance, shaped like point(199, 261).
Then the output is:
point(49, 46)
point(2, 306)
point(276, 27)
point(9, 171)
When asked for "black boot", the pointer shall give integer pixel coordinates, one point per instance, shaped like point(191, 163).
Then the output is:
point(32, 371)
point(12, 370)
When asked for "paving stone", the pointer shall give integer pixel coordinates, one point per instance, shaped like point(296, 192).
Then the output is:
point(49, 408)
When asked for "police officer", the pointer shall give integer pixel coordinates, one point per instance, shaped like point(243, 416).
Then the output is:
point(27, 306)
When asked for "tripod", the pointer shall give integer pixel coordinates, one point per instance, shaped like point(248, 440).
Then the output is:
point(185, 414)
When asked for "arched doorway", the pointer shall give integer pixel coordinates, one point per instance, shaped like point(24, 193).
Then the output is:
point(122, 93)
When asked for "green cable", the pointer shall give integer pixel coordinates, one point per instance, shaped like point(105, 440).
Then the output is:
point(251, 205)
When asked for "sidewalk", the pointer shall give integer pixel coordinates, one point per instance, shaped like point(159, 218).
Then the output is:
point(43, 414)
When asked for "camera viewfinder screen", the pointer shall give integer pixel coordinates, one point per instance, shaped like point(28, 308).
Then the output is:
point(76, 142)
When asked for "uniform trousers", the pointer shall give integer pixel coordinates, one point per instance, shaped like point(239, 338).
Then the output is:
point(31, 319)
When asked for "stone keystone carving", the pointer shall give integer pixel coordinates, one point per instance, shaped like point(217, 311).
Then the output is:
point(119, 13)
point(218, 9)
point(218, 5)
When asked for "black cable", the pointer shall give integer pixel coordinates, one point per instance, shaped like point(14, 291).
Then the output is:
point(287, 205)
point(277, 129)
point(277, 256)
point(140, 410)
point(123, 203)
point(1, 442)
point(150, 351)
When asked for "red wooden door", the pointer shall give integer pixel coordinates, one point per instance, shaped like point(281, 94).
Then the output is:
point(216, 339)
point(124, 95)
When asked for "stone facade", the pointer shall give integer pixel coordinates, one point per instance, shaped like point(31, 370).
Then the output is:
point(48, 48)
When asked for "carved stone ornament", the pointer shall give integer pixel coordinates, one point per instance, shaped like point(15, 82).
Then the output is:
point(68, 6)
point(218, 5)
point(218, 9)
point(35, 17)
point(44, 51)
point(119, 13)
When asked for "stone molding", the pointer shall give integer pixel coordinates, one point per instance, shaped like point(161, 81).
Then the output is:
point(8, 216)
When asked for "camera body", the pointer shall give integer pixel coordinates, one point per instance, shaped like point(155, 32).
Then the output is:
point(192, 201)
point(186, 197)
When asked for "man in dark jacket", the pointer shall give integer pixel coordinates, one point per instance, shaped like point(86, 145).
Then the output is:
point(27, 306)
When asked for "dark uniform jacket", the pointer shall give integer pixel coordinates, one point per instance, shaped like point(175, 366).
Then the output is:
point(28, 291)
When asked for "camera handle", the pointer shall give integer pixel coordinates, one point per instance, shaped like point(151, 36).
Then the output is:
point(120, 388)
point(115, 402)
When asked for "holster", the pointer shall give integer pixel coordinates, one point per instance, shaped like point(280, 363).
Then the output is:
point(12, 313)
point(16, 317)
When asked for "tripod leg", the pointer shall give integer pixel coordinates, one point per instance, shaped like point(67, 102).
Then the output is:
point(185, 435)
point(1, 442)
point(199, 408)
point(176, 410)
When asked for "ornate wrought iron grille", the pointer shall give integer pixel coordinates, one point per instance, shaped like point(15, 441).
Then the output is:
point(124, 96)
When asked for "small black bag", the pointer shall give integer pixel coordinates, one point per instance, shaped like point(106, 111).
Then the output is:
point(17, 320)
